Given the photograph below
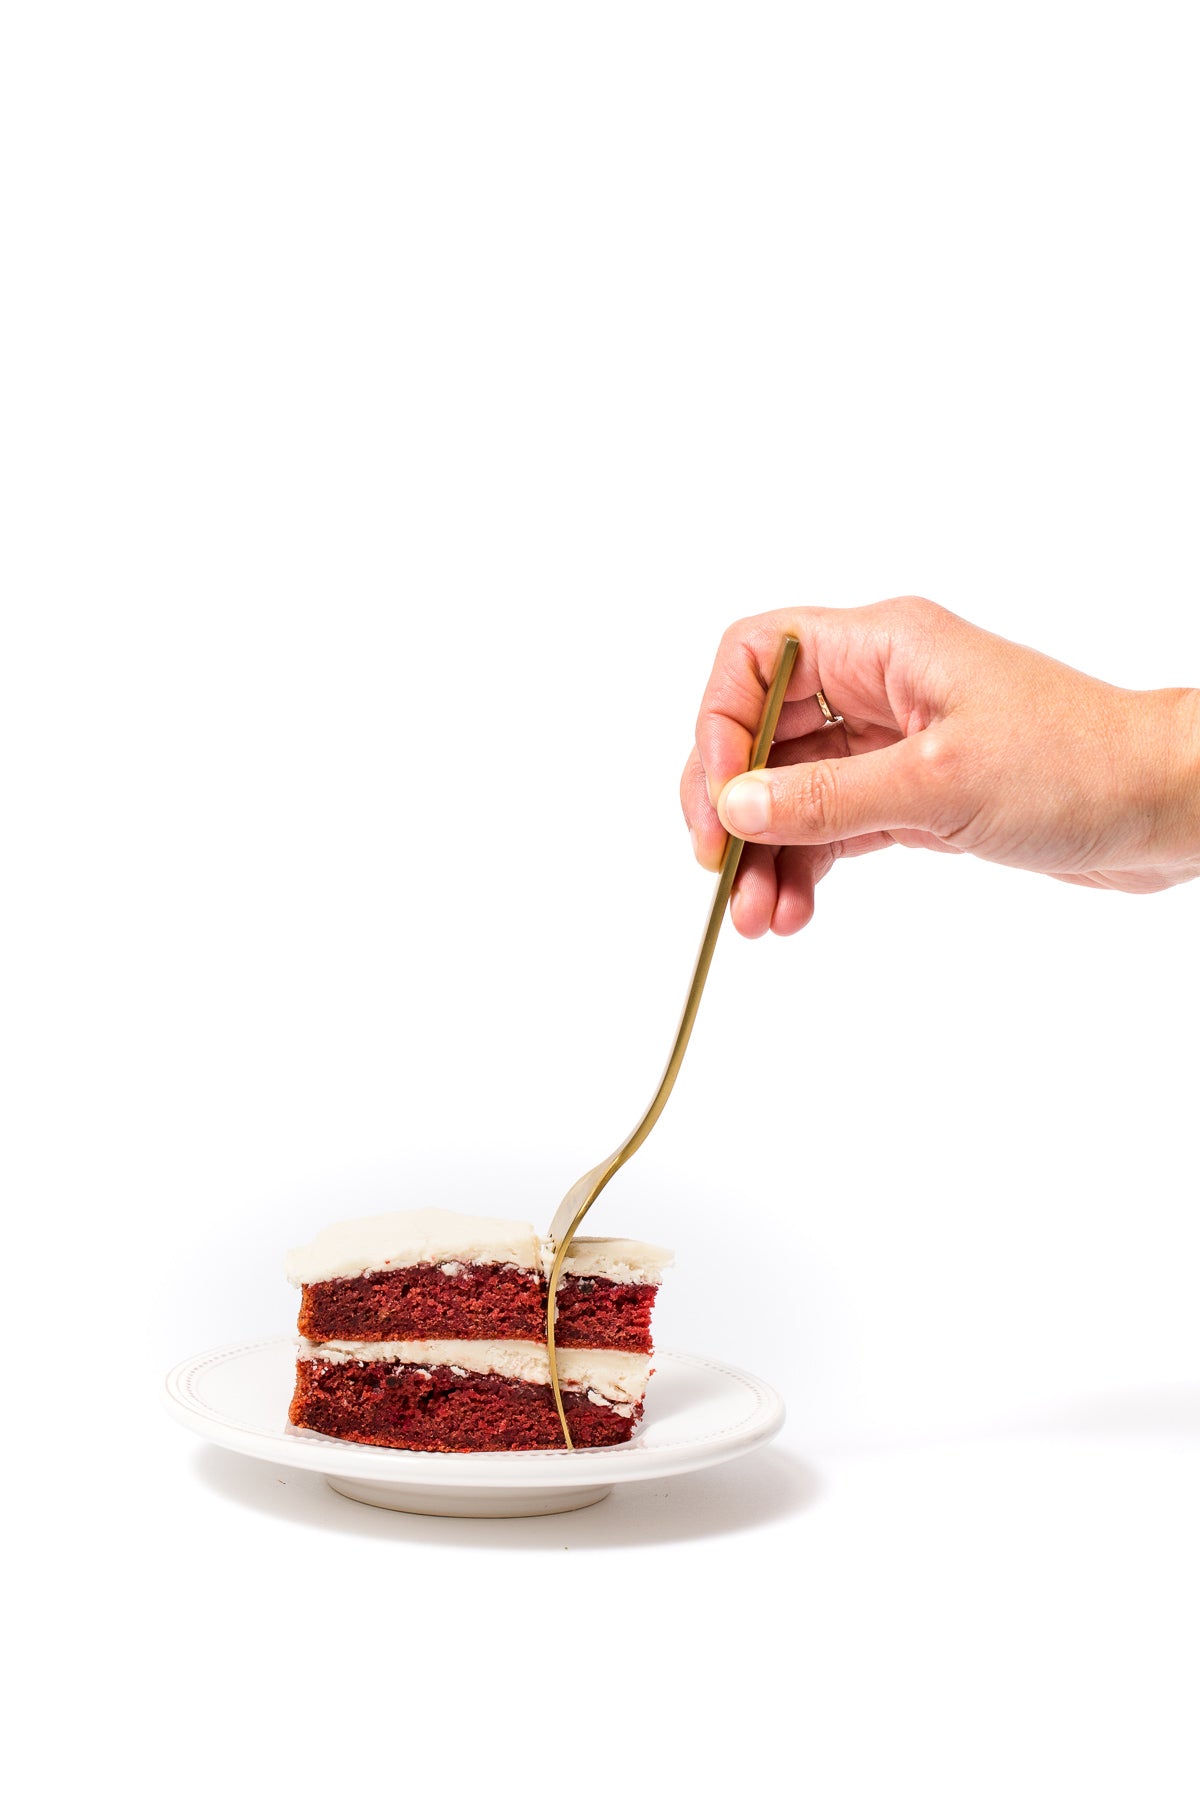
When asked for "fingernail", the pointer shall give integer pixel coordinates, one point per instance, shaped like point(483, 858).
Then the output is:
point(695, 843)
point(746, 806)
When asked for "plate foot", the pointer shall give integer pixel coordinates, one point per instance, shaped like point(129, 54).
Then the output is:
point(468, 1503)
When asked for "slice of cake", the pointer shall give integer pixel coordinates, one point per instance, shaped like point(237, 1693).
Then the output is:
point(427, 1331)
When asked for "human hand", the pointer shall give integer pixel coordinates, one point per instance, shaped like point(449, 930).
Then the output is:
point(953, 740)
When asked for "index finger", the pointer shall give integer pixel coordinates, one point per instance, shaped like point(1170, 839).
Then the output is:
point(842, 652)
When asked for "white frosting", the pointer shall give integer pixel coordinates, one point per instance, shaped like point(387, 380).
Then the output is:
point(431, 1235)
point(616, 1259)
point(617, 1377)
point(399, 1239)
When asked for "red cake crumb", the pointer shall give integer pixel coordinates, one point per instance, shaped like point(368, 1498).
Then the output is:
point(403, 1407)
point(595, 1314)
point(484, 1300)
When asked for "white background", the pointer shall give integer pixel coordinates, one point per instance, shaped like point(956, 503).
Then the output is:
point(399, 402)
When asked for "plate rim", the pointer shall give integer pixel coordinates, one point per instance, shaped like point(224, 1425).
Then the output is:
point(493, 1470)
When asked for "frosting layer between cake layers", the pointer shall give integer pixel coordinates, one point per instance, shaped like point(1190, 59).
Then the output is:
point(619, 1376)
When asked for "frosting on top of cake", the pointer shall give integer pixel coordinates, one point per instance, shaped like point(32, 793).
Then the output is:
point(397, 1239)
point(433, 1235)
point(616, 1259)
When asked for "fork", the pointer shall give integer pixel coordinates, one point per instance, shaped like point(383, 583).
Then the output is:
point(587, 1189)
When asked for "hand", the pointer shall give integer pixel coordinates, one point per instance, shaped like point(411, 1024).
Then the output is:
point(953, 740)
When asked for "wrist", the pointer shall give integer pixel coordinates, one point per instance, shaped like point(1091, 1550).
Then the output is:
point(1175, 790)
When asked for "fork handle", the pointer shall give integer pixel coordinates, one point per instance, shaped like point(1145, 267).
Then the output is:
point(575, 1204)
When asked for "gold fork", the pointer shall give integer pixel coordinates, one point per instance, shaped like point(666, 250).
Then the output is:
point(569, 1217)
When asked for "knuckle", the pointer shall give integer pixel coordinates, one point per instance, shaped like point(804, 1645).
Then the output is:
point(939, 776)
point(743, 639)
point(931, 752)
point(918, 626)
point(918, 612)
point(688, 783)
point(939, 758)
point(816, 798)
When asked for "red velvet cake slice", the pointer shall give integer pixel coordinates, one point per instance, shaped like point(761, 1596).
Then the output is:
point(427, 1331)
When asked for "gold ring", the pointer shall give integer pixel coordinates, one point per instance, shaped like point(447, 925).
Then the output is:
point(831, 718)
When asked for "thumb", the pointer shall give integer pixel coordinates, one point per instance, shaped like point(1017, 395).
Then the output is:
point(843, 797)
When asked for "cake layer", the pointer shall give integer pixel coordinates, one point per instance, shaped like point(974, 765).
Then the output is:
point(407, 1407)
point(460, 1300)
point(431, 1236)
point(477, 1300)
point(611, 1375)
point(613, 1315)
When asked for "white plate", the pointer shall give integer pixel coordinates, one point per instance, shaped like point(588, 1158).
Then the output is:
point(698, 1413)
